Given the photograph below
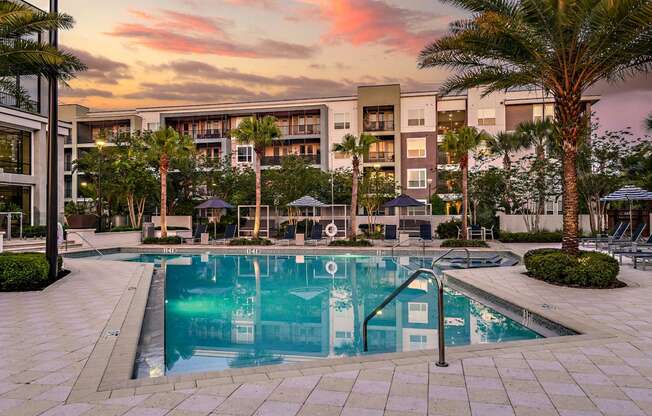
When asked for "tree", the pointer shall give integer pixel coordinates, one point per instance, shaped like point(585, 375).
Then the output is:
point(538, 134)
point(563, 46)
point(375, 189)
point(259, 133)
point(487, 188)
point(21, 52)
point(357, 148)
point(233, 184)
point(459, 144)
point(505, 144)
point(163, 146)
point(527, 193)
point(648, 122)
point(295, 178)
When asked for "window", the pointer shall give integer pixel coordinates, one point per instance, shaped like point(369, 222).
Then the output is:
point(422, 210)
point(15, 151)
point(245, 154)
point(537, 110)
point(342, 121)
point(417, 312)
point(343, 334)
point(416, 147)
point(244, 334)
point(418, 339)
point(416, 117)
point(450, 121)
point(416, 178)
point(153, 126)
point(487, 117)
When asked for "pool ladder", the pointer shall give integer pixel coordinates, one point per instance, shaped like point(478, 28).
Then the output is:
point(439, 281)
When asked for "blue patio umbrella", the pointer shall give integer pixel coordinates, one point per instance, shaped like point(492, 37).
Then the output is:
point(214, 204)
point(629, 193)
point(307, 202)
point(402, 201)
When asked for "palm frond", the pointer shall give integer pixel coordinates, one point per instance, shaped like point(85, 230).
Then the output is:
point(18, 20)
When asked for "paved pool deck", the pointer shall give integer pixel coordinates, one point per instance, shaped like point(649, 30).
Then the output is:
point(50, 342)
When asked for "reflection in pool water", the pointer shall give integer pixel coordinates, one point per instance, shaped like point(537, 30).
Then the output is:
point(230, 311)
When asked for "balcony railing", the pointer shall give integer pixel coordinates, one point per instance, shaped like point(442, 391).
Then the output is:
point(205, 134)
point(300, 130)
point(379, 125)
point(278, 160)
point(379, 157)
point(9, 100)
point(12, 166)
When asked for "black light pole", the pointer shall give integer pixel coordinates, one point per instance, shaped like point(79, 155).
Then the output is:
point(51, 248)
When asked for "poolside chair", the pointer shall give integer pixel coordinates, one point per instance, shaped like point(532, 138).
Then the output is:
point(425, 233)
point(229, 234)
point(201, 229)
point(476, 231)
point(489, 232)
point(636, 235)
point(290, 234)
point(390, 234)
point(315, 234)
point(617, 232)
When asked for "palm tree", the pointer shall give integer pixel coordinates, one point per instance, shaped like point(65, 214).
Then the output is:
point(356, 148)
point(648, 122)
point(164, 146)
point(458, 144)
point(21, 53)
point(505, 144)
point(259, 133)
point(563, 46)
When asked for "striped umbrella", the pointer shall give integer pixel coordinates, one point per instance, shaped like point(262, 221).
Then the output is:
point(629, 193)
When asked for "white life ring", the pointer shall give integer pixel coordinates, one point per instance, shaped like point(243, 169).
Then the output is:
point(331, 268)
point(331, 230)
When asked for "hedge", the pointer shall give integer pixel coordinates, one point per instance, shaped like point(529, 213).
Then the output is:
point(588, 269)
point(537, 237)
point(123, 228)
point(25, 271)
point(448, 229)
point(37, 231)
point(360, 242)
point(166, 240)
point(464, 243)
point(250, 242)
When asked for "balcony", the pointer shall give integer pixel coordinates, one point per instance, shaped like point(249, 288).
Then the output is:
point(300, 129)
point(379, 157)
point(208, 134)
point(379, 125)
point(9, 100)
point(278, 160)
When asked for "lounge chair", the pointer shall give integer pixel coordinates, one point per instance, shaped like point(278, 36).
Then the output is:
point(229, 234)
point(315, 234)
point(476, 231)
point(489, 232)
point(290, 234)
point(617, 233)
point(425, 233)
point(201, 229)
point(390, 234)
point(636, 235)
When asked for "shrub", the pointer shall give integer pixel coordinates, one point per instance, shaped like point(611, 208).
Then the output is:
point(438, 205)
point(538, 237)
point(37, 231)
point(166, 240)
point(173, 228)
point(588, 269)
point(123, 228)
point(448, 229)
point(250, 242)
point(464, 243)
point(360, 242)
point(23, 271)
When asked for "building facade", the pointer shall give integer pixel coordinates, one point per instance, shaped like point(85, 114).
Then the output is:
point(23, 152)
point(410, 127)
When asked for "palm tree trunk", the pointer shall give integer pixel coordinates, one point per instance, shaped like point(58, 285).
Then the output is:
point(465, 195)
point(164, 165)
point(354, 197)
point(569, 112)
point(256, 231)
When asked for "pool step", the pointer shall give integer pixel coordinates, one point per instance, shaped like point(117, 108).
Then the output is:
point(36, 245)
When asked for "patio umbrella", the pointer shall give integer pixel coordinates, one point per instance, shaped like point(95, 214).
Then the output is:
point(629, 193)
point(307, 202)
point(214, 204)
point(402, 201)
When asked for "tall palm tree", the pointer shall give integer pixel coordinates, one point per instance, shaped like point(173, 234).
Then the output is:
point(357, 148)
point(458, 144)
point(537, 134)
point(505, 144)
point(21, 52)
point(164, 146)
point(564, 46)
point(259, 133)
point(648, 122)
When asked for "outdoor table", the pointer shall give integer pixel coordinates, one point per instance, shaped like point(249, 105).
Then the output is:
point(299, 239)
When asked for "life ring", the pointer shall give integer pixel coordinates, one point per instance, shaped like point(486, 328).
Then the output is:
point(331, 268)
point(331, 230)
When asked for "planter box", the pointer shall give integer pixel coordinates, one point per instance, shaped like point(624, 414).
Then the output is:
point(82, 221)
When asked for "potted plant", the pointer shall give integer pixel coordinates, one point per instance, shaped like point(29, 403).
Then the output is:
point(78, 216)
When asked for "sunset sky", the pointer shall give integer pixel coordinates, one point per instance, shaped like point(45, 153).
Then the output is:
point(155, 52)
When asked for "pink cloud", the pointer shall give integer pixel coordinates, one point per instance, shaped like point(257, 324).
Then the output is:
point(362, 22)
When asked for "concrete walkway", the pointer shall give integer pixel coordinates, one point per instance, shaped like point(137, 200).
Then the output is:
point(47, 337)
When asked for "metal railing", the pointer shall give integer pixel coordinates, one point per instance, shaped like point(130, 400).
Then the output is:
point(86, 241)
point(378, 125)
point(278, 160)
point(380, 156)
point(8, 100)
point(439, 281)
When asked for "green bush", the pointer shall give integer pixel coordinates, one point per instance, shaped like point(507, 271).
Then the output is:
point(250, 242)
point(23, 271)
point(588, 269)
point(123, 228)
point(464, 243)
point(37, 231)
point(173, 228)
point(438, 205)
point(360, 242)
point(538, 237)
point(448, 229)
point(166, 240)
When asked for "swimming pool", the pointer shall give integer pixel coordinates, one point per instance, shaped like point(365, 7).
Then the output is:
point(225, 311)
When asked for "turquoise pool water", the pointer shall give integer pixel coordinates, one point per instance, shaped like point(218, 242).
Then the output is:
point(230, 311)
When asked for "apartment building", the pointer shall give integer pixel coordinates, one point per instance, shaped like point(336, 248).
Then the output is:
point(23, 151)
point(409, 126)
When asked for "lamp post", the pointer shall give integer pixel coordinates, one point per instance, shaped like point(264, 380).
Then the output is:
point(100, 145)
point(52, 209)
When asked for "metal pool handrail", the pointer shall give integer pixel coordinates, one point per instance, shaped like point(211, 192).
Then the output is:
point(87, 242)
point(468, 257)
point(440, 297)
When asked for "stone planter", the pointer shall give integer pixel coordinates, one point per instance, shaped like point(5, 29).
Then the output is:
point(82, 221)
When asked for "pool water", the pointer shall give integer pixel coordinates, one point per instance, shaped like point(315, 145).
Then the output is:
point(231, 311)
